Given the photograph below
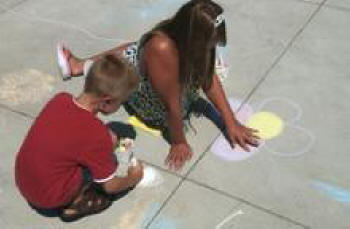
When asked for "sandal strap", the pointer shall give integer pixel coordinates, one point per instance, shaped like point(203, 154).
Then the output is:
point(91, 202)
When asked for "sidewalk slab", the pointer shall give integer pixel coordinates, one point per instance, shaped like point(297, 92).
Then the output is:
point(194, 206)
point(257, 33)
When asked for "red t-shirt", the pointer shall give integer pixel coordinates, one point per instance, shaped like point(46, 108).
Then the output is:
point(63, 139)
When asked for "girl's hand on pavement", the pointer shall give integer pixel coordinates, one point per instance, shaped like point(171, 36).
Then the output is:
point(178, 155)
point(243, 136)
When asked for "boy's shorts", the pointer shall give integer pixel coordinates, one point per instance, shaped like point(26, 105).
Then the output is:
point(54, 212)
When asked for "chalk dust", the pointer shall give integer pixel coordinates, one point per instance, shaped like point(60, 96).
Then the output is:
point(151, 178)
point(133, 218)
point(25, 86)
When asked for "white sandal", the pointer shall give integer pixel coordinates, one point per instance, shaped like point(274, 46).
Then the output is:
point(63, 63)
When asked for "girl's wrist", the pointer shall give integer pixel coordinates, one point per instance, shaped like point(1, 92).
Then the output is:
point(231, 121)
point(180, 140)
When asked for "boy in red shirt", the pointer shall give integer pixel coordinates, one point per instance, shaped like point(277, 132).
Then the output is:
point(67, 138)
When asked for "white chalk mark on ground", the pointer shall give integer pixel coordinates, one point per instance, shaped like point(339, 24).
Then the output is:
point(60, 23)
point(290, 124)
point(132, 219)
point(151, 178)
point(296, 107)
point(228, 218)
point(135, 216)
point(25, 86)
point(302, 148)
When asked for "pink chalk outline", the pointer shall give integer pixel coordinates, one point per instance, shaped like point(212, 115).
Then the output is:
point(222, 148)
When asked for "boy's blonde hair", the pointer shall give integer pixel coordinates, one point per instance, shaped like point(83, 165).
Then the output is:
point(111, 76)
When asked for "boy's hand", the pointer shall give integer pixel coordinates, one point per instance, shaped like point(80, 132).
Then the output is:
point(243, 136)
point(178, 155)
point(115, 139)
point(135, 173)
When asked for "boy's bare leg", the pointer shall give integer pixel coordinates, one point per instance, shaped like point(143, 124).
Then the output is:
point(77, 64)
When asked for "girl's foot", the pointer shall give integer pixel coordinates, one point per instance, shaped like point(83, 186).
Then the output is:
point(70, 65)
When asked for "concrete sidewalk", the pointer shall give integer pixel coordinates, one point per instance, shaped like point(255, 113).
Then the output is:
point(289, 58)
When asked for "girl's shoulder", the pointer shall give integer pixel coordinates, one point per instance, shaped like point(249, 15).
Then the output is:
point(160, 43)
point(161, 61)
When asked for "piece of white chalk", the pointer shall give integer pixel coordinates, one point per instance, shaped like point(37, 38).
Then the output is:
point(133, 162)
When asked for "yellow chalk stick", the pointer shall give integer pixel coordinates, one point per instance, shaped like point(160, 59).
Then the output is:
point(138, 124)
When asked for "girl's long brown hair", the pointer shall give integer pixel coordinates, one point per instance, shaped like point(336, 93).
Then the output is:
point(192, 28)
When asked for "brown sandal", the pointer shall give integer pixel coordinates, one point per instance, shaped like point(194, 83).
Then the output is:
point(91, 202)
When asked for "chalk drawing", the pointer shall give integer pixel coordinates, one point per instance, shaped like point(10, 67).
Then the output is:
point(243, 111)
point(297, 109)
point(132, 218)
point(140, 215)
point(228, 218)
point(149, 10)
point(151, 213)
point(32, 17)
point(161, 222)
point(222, 147)
point(270, 126)
point(151, 178)
point(336, 193)
point(302, 148)
point(25, 86)
point(291, 123)
point(164, 223)
point(124, 153)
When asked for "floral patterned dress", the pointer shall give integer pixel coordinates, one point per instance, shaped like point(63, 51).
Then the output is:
point(145, 102)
